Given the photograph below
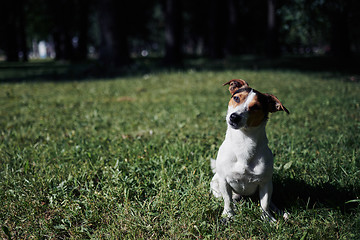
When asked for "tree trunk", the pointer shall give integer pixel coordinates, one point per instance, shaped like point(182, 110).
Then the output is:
point(216, 29)
point(22, 32)
point(63, 44)
point(114, 50)
point(272, 44)
point(231, 48)
point(62, 31)
point(11, 41)
point(173, 32)
point(84, 26)
point(340, 43)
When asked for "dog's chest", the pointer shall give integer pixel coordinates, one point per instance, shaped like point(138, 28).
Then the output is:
point(249, 169)
point(245, 176)
point(244, 160)
point(249, 166)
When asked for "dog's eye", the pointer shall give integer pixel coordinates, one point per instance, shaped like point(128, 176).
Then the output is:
point(236, 99)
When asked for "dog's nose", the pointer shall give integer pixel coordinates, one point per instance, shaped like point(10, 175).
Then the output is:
point(234, 117)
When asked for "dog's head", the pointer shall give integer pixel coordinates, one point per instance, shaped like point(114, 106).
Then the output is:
point(248, 107)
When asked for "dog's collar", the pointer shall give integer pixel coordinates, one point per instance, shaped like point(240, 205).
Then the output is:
point(242, 90)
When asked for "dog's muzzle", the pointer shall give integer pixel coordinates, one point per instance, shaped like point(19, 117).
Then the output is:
point(236, 120)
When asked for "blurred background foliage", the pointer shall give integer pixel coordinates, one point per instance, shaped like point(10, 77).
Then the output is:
point(116, 32)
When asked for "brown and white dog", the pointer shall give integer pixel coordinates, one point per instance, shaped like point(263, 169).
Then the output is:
point(244, 161)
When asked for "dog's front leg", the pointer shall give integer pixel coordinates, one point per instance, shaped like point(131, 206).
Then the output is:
point(226, 193)
point(265, 192)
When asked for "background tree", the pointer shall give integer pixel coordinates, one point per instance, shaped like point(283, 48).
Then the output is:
point(217, 31)
point(232, 28)
point(173, 32)
point(12, 28)
point(63, 19)
point(114, 49)
point(338, 14)
point(272, 44)
point(253, 27)
point(83, 25)
point(172, 29)
point(304, 26)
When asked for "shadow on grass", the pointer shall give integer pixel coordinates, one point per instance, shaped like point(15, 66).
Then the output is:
point(63, 71)
point(289, 191)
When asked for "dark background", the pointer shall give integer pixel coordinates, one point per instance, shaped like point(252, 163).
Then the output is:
point(114, 33)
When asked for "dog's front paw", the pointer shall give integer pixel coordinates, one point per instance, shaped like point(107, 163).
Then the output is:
point(236, 197)
point(266, 216)
point(227, 217)
point(228, 213)
point(225, 221)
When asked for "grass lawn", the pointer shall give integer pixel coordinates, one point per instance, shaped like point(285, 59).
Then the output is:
point(128, 157)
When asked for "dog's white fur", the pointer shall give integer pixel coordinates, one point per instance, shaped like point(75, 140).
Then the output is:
point(244, 161)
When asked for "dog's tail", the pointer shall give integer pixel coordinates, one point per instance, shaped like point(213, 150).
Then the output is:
point(213, 165)
point(214, 184)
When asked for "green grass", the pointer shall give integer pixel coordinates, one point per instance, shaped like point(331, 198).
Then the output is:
point(129, 157)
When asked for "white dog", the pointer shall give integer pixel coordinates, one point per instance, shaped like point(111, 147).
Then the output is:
point(244, 161)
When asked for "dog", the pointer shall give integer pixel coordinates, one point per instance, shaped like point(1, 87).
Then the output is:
point(244, 162)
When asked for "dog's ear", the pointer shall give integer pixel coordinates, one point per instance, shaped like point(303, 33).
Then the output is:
point(275, 105)
point(235, 84)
